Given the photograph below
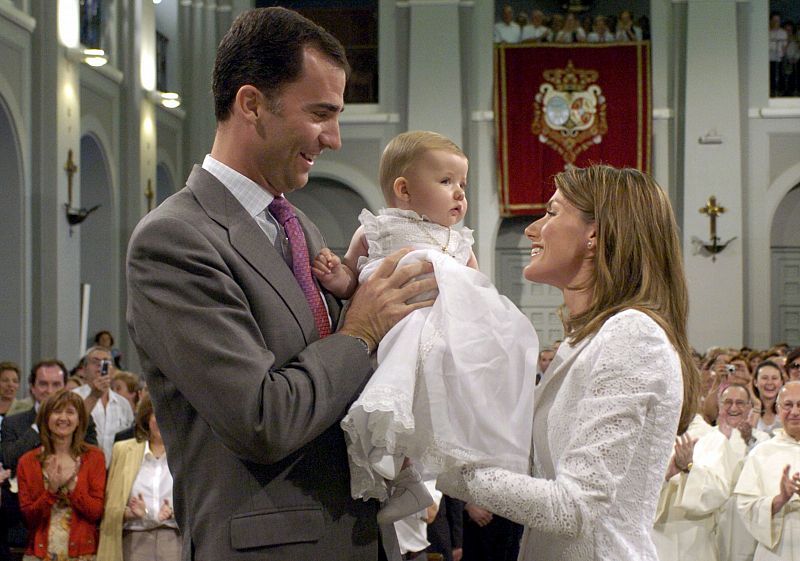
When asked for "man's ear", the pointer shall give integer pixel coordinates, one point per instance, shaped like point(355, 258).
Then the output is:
point(400, 188)
point(249, 102)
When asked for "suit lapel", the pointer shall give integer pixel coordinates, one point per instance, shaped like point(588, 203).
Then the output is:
point(250, 241)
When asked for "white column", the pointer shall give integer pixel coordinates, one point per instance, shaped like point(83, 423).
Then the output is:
point(434, 82)
point(56, 107)
point(715, 288)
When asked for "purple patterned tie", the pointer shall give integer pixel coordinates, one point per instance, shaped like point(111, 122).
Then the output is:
point(283, 212)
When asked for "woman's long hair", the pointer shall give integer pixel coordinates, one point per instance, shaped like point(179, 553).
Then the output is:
point(638, 262)
point(57, 402)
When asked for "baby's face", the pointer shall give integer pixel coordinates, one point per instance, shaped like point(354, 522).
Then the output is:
point(436, 185)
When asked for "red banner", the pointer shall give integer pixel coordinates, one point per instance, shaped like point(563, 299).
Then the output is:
point(561, 105)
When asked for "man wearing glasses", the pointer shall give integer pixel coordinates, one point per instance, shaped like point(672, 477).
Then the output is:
point(697, 517)
point(768, 490)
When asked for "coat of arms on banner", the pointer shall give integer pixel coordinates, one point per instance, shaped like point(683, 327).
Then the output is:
point(570, 111)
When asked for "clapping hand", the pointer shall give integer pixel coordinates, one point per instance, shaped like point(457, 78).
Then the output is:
point(682, 456)
point(166, 512)
point(56, 476)
point(136, 509)
point(789, 486)
point(4, 473)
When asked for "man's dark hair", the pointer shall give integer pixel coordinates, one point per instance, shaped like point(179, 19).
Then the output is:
point(264, 48)
point(47, 362)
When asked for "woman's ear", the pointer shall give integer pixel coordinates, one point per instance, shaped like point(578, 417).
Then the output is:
point(591, 243)
point(400, 189)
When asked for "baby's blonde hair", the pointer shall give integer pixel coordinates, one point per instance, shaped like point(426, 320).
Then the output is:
point(401, 152)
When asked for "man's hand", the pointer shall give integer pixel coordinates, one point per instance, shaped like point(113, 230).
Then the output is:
point(788, 487)
point(381, 301)
point(682, 456)
point(100, 386)
point(480, 516)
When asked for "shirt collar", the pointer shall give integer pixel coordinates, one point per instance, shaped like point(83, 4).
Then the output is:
point(250, 194)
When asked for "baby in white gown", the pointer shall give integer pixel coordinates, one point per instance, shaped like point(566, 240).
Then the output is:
point(454, 381)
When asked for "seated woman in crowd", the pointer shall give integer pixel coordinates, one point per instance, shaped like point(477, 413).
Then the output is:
point(9, 384)
point(767, 382)
point(62, 484)
point(139, 523)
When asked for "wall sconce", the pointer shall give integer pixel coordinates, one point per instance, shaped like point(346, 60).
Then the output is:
point(91, 57)
point(74, 215)
point(170, 100)
point(714, 245)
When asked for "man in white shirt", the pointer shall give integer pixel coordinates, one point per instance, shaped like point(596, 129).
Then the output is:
point(110, 411)
point(507, 31)
point(696, 518)
point(767, 493)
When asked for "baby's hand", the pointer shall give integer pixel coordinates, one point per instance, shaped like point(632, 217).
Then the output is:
point(326, 263)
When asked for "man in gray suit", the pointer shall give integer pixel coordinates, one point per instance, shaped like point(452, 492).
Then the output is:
point(249, 396)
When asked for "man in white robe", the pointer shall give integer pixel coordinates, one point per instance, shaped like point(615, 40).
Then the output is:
point(699, 483)
point(767, 493)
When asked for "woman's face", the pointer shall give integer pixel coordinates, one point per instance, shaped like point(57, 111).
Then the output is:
point(122, 389)
point(560, 252)
point(769, 382)
point(63, 422)
point(9, 384)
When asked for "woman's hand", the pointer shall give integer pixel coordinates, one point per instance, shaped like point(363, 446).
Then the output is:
point(57, 476)
point(479, 515)
point(166, 512)
point(136, 509)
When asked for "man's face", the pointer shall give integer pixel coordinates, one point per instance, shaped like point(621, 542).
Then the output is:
point(735, 404)
point(49, 379)
point(789, 409)
point(302, 121)
point(94, 361)
point(508, 14)
point(545, 358)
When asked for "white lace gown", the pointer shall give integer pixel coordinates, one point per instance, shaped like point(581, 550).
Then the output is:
point(454, 382)
point(606, 415)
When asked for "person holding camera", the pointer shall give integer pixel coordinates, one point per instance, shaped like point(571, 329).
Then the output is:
point(110, 411)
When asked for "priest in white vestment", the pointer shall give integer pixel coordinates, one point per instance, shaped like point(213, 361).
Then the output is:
point(691, 521)
point(767, 493)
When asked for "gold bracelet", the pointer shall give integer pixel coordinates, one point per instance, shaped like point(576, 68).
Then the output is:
point(688, 467)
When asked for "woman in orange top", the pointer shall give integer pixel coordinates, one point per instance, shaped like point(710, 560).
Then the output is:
point(62, 484)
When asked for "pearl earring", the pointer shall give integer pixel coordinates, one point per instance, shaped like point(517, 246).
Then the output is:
point(589, 244)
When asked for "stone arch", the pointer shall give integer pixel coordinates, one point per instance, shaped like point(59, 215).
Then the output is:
point(14, 309)
point(99, 248)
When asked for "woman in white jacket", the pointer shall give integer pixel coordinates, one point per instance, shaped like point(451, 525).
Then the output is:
point(608, 407)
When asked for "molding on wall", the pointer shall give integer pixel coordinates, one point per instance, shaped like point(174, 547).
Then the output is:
point(663, 114)
point(773, 112)
point(355, 118)
point(659, 114)
point(481, 116)
point(17, 17)
point(426, 3)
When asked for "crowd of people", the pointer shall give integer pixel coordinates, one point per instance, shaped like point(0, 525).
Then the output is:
point(784, 54)
point(539, 27)
point(730, 491)
point(83, 467)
